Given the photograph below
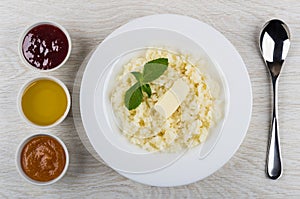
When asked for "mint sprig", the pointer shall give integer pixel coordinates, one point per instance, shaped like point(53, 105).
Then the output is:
point(152, 70)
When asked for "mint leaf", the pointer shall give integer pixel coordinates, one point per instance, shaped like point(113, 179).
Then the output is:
point(138, 76)
point(146, 88)
point(133, 96)
point(154, 69)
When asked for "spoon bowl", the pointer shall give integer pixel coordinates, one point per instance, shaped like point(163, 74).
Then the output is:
point(274, 44)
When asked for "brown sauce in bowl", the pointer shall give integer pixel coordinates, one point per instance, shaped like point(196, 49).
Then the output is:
point(43, 158)
point(45, 46)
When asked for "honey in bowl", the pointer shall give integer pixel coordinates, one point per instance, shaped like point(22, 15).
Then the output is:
point(43, 158)
point(44, 102)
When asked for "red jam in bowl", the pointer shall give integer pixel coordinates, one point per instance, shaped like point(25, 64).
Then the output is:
point(45, 46)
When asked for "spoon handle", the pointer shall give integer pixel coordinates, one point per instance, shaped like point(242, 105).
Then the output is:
point(274, 163)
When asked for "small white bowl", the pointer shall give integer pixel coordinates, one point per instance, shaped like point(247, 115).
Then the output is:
point(31, 27)
point(19, 166)
point(19, 101)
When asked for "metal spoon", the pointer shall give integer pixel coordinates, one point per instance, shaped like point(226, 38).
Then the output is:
point(274, 43)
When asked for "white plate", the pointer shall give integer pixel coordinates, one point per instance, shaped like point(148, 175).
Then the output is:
point(187, 170)
point(101, 72)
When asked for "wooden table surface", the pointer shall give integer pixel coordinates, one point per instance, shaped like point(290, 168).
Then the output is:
point(88, 23)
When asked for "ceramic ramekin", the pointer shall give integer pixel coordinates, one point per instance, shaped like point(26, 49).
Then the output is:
point(25, 62)
point(18, 159)
point(19, 101)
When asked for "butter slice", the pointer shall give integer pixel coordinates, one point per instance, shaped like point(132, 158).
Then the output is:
point(172, 99)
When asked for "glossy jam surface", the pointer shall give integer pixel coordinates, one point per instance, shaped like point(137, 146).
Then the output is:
point(44, 102)
point(43, 158)
point(45, 46)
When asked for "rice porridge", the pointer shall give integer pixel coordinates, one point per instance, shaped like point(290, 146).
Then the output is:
point(188, 126)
